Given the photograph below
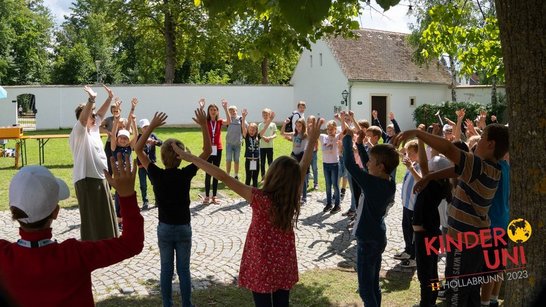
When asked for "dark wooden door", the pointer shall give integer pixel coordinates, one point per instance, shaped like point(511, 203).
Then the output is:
point(379, 103)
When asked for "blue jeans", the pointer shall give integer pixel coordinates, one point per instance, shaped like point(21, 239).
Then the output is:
point(368, 262)
point(314, 167)
point(331, 171)
point(173, 238)
point(142, 175)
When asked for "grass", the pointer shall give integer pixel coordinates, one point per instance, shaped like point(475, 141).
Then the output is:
point(58, 158)
point(333, 287)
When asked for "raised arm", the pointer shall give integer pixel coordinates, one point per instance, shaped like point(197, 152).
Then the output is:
point(134, 102)
point(200, 118)
point(159, 119)
point(106, 104)
point(312, 137)
point(287, 135)
point(235, 185)
point(442, 145)
point(458, 126)
point(243, 124)
point(88, 109)
point(364, 158)
point(225, 106)
point(114, 138)
point(394, 123)
point(135, 131)
point(376, 122)
point(423, 161)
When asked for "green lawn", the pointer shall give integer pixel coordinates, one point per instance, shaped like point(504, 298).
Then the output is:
point(334, 287)
point(58, 159)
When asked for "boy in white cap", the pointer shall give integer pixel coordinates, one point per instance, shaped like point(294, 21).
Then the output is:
point(39, 271)
point(149, 150)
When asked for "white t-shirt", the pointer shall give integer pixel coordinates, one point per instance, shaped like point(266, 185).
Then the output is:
point(297, 115)
point(87, 151)
point(329, 148)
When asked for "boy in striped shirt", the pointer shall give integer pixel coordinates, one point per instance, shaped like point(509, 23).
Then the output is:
point(479, 175)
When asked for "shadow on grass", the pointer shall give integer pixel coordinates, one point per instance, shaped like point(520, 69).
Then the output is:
point(395, 281)
point(219, 295)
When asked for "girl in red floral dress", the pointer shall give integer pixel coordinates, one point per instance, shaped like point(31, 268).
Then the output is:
point(269, 266)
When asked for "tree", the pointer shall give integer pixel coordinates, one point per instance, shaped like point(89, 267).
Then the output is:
point(522, 26)
point(281, 28)
point(25, 34)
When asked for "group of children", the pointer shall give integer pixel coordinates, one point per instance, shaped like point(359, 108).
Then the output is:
point(269, 262)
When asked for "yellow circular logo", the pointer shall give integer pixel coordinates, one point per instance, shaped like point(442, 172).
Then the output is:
point(519, 230)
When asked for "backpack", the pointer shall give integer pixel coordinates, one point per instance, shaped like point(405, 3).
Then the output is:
point(288, 127)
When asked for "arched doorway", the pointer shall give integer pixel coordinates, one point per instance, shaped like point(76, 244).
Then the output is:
point(26, 111)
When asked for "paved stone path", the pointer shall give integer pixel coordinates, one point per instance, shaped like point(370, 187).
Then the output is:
point(219, 231)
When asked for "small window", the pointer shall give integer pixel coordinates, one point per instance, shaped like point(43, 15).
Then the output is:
point(320, 58)
point(311, 59)
point(412, 101)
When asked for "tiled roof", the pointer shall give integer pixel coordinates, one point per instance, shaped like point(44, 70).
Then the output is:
point(383, 56)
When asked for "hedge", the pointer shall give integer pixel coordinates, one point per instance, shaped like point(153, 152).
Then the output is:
point(424, 114)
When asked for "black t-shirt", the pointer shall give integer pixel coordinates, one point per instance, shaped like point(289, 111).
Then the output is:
point(426, 206)
point(172, 192)
point(252, 146)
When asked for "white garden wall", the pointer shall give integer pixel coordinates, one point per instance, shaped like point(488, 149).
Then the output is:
point(56, 104)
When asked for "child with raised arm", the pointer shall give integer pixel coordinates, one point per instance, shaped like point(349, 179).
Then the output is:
point(172, 195)
point(378, 189)
point(299, 144)
point(479, 174)
point(233, 139)
point(330, 164)
point(106, 127)
point(39, 271)
point(214, 124)
point(123, 143)
point(268, 133)
point(149, 149)
point(269, 266)
point(252, 151)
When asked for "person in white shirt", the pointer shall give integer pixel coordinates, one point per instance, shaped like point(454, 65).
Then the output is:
point(98, 217)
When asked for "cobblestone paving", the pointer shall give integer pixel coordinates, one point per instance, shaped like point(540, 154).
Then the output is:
point(219, 231)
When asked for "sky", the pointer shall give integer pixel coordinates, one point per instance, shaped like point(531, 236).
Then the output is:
point(372, 17)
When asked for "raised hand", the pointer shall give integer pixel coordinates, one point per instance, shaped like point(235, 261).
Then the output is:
point(314, 128)
point(224, 103)
point(460, 113)
point(272, 116)
point(351, 114)
point(134, 103)
point(92, 94)
point(337, 116)
point(200, 117)
point(123, 175)
point(109, 91)
point(374, 114)
point(360, 137)
point(202, 103)
point(159, 119)
point(407, 162)
point(436, 129)
point(244, 113)
point(391, 116)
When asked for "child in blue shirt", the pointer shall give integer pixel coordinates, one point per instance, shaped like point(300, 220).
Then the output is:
point(378, 189)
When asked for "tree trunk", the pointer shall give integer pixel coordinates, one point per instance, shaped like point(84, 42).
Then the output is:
point(453, 79)
point(170, 44)
point(522, 26)
point(265, 70)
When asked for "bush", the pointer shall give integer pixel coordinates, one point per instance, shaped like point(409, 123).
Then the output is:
point(425, 114)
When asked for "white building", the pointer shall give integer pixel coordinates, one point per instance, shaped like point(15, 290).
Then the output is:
point(377, 72)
